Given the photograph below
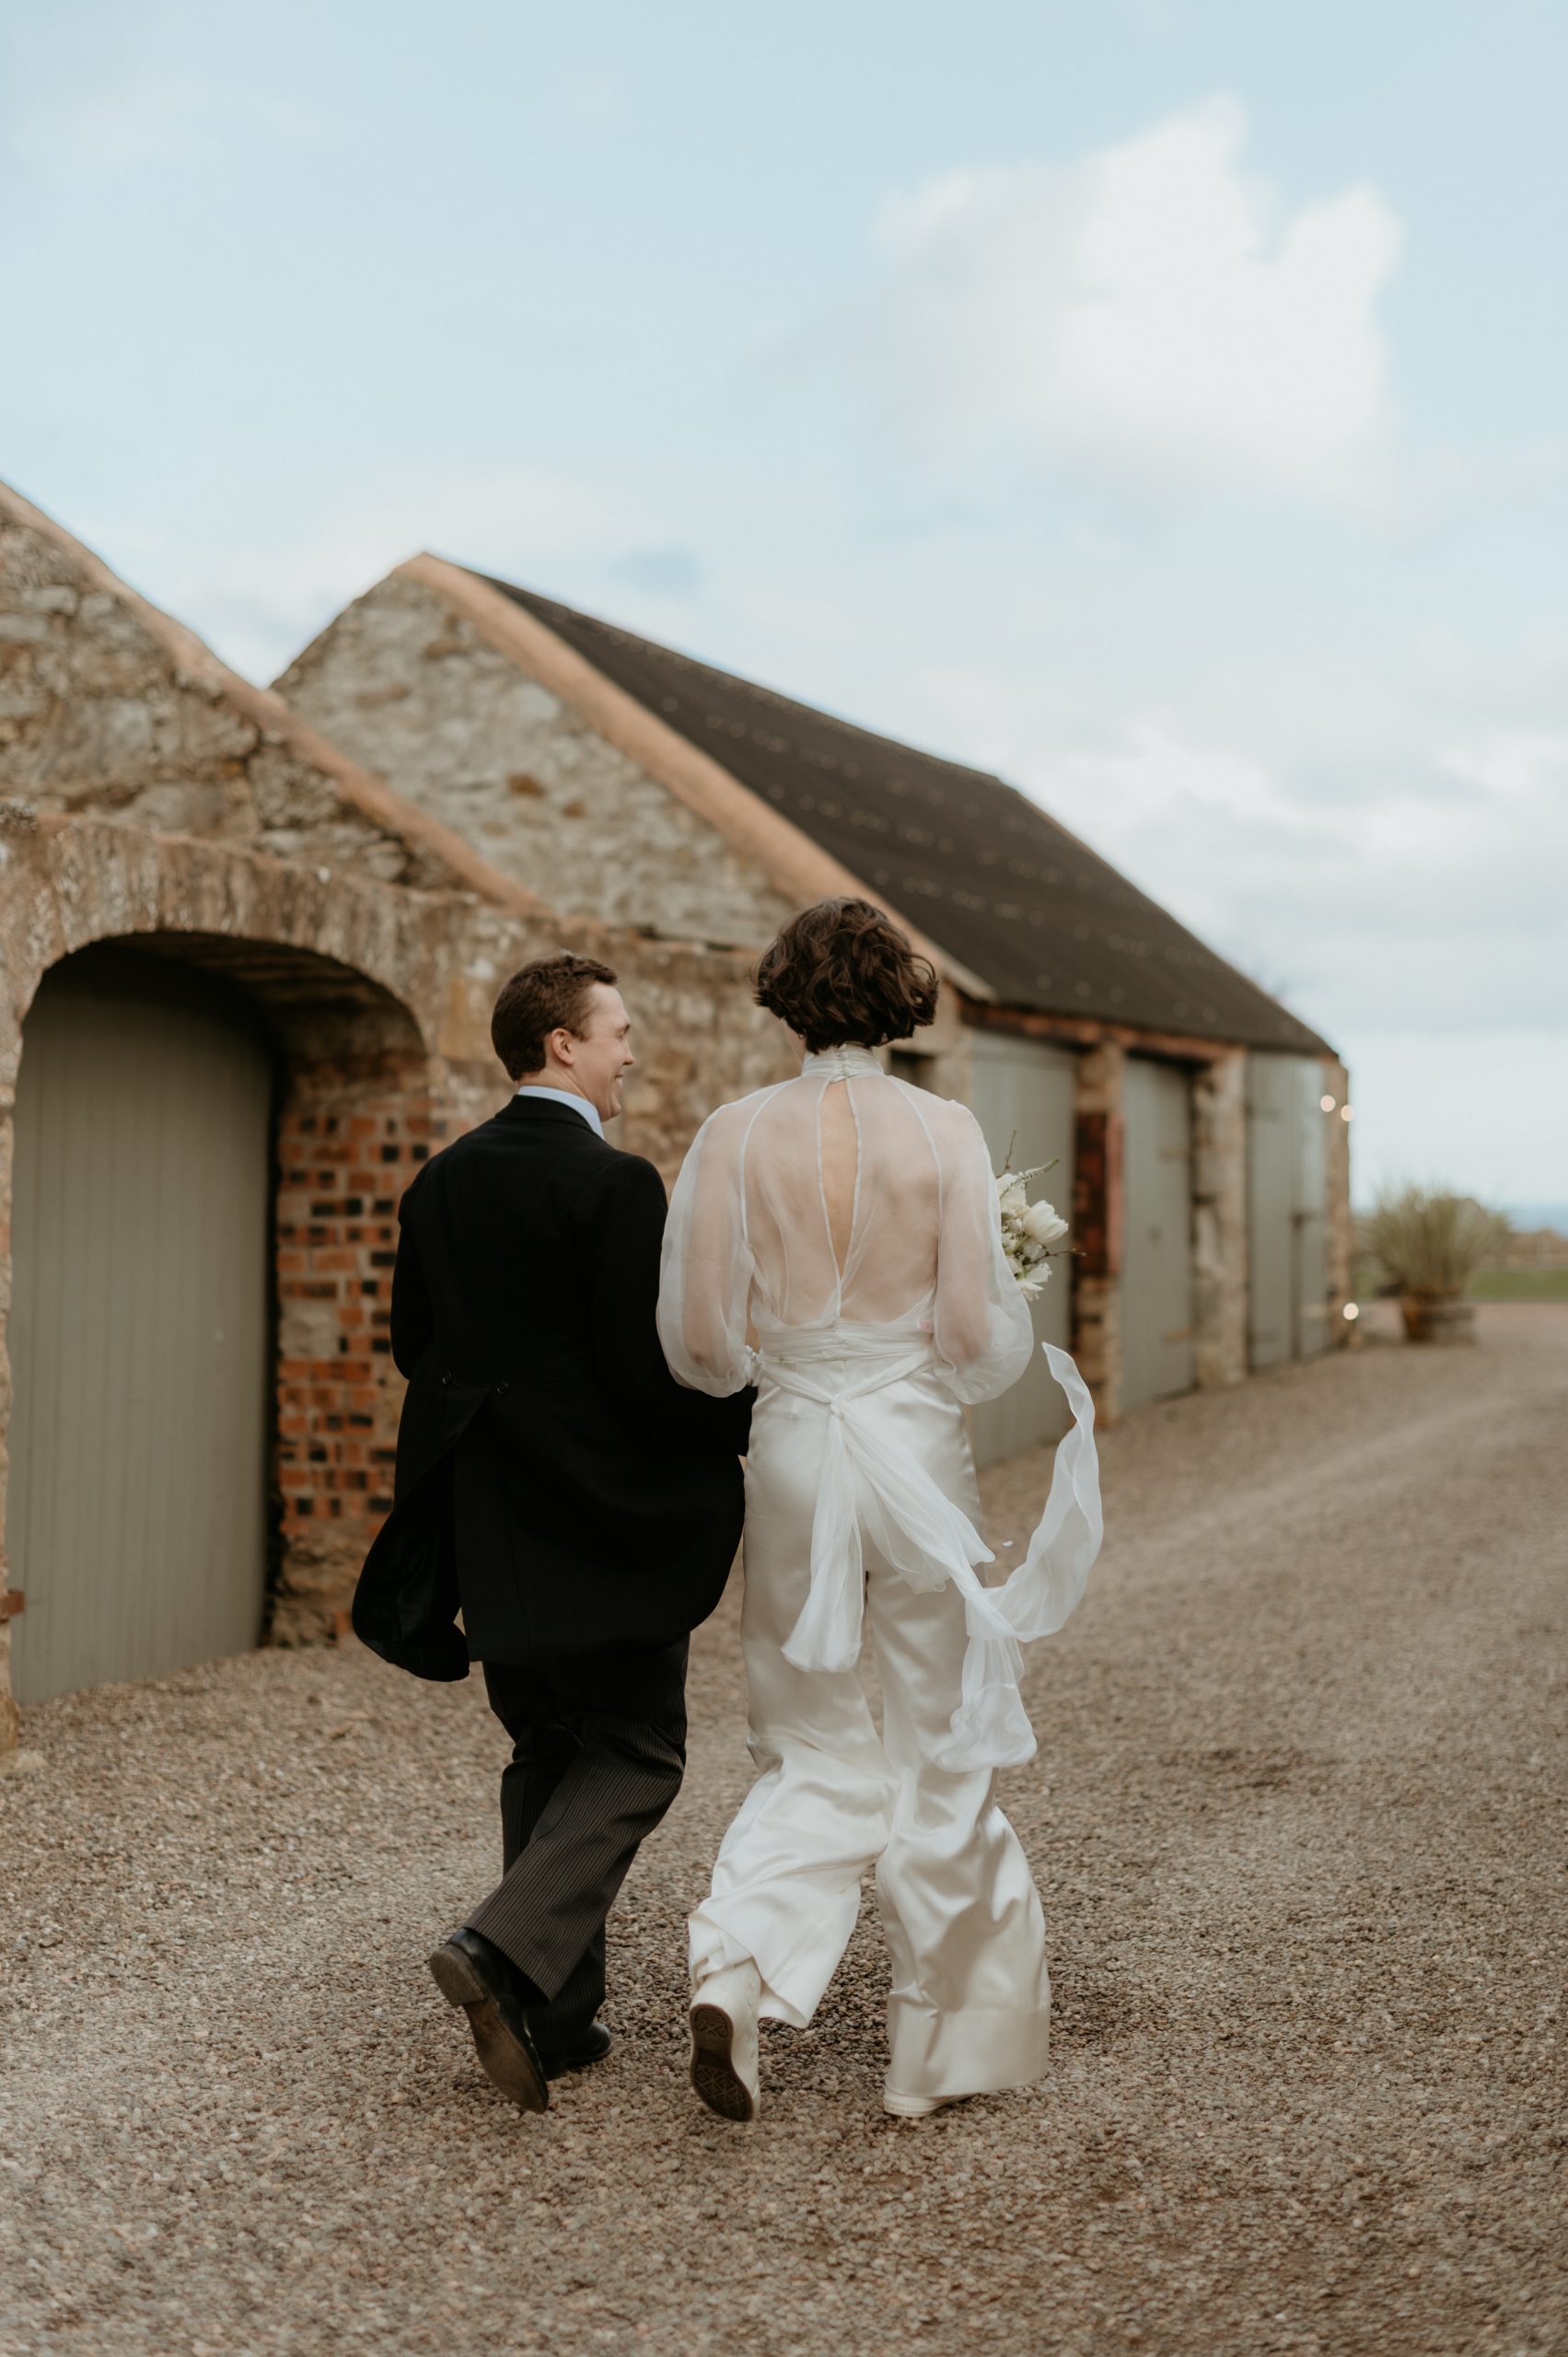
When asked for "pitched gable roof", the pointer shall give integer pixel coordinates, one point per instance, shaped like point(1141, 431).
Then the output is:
point(1043, 920)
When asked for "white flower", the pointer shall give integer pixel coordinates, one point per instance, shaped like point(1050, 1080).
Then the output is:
point(1028, 1231)
point(1043, 1223)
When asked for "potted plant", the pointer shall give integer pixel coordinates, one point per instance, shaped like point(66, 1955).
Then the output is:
point(1428, 1245)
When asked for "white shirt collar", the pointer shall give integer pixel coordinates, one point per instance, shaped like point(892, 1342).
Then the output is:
point(564, 1096)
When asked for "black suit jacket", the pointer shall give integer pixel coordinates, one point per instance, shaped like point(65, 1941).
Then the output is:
point(552, 1476)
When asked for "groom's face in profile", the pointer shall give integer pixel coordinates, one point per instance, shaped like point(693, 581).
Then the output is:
point(600, 1055)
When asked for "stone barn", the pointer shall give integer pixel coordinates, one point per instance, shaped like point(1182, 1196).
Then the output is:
point(244, 990)
point(249, 944)
point(1199, 1129)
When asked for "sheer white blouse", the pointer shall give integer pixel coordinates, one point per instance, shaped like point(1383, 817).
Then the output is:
point(749, 1251)
point(834, 1260)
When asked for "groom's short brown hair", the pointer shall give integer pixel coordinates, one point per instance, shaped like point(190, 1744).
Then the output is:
point(548, 994)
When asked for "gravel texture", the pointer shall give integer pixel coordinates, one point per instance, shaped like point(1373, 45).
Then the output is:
point(1298, 1816)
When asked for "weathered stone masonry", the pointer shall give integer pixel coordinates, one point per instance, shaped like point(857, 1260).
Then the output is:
point(454, 726)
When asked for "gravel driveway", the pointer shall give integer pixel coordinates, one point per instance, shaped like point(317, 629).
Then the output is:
point(1299, 1816)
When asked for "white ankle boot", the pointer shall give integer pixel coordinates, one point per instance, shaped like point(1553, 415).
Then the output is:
point(915, 2106)
point(724, 2069)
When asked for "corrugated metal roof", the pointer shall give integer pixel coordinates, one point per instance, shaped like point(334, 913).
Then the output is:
point(1031, 910)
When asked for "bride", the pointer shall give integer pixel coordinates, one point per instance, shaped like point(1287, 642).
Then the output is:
point(836, 1239)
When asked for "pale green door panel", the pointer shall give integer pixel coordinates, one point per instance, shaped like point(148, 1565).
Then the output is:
point(1287, 1309)
point(1156, 1272)
point(1023, 1091)
point(139, 1328)
point(1310, 1221)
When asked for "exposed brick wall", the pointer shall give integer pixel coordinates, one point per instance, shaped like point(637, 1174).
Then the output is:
point(347, 1146)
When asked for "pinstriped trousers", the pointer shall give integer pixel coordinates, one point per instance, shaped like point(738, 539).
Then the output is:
point(598, 1747)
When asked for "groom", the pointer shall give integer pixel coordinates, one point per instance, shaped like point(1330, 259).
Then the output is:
point(557, 1484)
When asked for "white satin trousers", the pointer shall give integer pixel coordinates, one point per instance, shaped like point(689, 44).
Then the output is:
point(970, 1999)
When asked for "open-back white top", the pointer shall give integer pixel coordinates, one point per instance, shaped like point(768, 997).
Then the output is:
point(761, 1282)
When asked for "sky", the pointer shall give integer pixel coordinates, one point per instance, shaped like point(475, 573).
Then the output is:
point(1164, 404)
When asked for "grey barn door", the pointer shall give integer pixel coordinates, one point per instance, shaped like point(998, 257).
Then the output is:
point(1156, 1270)
point(1286, 1242)
point(1026, 1088)
point(1309, 1226)
point(138, 1335)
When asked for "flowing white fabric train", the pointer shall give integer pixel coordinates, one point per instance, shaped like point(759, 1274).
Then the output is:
point(867, 1480)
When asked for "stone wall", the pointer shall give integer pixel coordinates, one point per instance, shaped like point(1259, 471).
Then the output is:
point(110, 707)
point(94, 717)
point(410, 688)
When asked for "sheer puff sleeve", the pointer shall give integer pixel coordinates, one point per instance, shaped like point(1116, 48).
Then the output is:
point(981, 1324)
point(705, 1275)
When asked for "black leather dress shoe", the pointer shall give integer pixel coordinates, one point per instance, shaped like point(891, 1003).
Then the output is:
point(590, 2045)
point(470, 1971)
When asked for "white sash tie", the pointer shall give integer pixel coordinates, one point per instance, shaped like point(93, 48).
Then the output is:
point(929, 1540)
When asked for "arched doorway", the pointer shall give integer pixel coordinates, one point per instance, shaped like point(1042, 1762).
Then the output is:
point(210, 1132)
point(140, 1324)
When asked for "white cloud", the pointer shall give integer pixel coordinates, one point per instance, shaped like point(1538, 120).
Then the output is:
point(1150, 314)
point(1153, 769)
point(1413, 885)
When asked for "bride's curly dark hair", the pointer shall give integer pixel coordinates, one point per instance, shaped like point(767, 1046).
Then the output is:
point(842, 972)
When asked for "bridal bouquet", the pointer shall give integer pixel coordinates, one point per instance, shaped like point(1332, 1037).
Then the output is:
point(1028, 1230)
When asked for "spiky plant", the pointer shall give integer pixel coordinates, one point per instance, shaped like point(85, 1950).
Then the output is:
point(1431, 1243)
